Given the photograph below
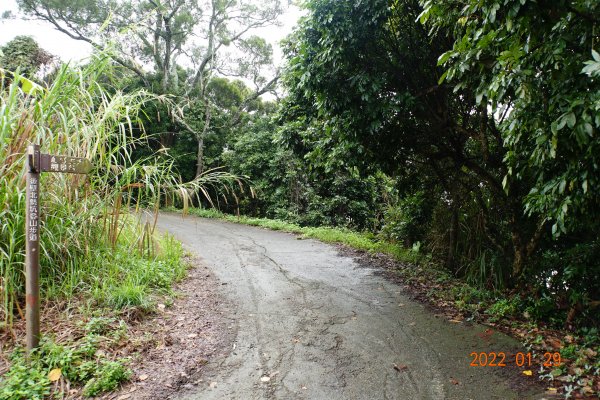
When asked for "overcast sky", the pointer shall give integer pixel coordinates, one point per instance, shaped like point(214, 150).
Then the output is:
point(68, 49)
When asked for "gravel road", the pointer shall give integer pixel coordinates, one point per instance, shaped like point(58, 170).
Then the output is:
point(313, 324)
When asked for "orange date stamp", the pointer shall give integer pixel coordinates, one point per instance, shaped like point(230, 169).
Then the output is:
point(501, 359)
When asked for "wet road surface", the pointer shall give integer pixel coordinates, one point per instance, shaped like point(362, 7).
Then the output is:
point(312, 324)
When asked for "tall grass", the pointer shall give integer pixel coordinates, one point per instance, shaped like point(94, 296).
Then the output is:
point(82, 216)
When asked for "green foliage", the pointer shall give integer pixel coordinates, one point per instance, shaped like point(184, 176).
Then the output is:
point(503, 308)
point(407, 221)
point(524, 61)
point(108, 376)
point(28, 378)
point(572, 280)
point(98, 325)
point(23, 54)
point(22, 382)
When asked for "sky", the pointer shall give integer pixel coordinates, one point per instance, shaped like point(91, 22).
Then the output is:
point(67, 49)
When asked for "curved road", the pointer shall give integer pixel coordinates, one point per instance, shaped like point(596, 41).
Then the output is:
point(312, 324)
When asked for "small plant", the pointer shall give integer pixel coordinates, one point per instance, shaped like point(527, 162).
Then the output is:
point(24, 382)
point(28, 378)
point(108, 376)
point(98, 325)
point(502, 308)
point(569, 352)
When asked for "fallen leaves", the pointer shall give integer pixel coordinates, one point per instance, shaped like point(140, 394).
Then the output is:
point(127, 396)
point(143, 377)
point(527, 372)
point(590, 353)
point(555, 343)
point(569, 339)
point(400, 367)
point(486, 335)
point(55, 374)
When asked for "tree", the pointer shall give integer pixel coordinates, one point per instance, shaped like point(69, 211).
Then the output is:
point(170, 34)
point(25, 55)
point(535, 66)
point(367, 73)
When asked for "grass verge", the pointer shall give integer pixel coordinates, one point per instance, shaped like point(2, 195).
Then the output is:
point(86, 327)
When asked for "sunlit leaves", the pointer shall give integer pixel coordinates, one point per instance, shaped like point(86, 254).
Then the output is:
point(592, 67)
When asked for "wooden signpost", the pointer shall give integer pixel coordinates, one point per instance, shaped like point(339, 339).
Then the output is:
point(37, 163)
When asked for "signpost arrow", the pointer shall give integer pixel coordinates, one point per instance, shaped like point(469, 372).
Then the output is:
point(37, 163)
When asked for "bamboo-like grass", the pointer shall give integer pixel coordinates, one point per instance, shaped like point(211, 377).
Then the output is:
point(81, 115)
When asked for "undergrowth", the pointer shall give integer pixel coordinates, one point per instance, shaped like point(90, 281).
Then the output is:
point(82, 361)
point(94, 254)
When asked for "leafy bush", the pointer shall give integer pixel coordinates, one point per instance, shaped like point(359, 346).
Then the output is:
point(503, 308)
point(407, 221)
point(28, 378)
point(23, 382)
point(108, 376)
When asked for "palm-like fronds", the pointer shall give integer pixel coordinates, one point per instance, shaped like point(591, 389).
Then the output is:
point(77, 116)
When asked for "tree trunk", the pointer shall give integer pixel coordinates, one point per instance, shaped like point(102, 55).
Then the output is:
point(452, 240)
point(524, 248)
point(200, 155)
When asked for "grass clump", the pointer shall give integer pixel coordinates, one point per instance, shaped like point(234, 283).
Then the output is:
point(130, 282)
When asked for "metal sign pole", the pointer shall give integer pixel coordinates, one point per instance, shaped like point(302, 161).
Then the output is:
point(36, 163)
point(32, 248)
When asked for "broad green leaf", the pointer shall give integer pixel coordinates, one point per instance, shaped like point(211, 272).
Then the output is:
point(571, 119)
